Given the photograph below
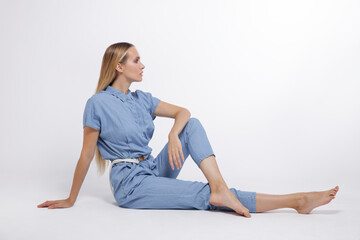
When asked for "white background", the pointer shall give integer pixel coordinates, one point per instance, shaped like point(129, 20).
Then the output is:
point(274, 83)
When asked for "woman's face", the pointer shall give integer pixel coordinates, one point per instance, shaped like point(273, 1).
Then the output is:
point(133, 68)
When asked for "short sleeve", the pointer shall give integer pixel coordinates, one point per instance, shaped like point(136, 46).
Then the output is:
point(149, 101)
point(90, 117)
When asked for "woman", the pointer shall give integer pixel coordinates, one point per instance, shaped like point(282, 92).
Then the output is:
point(118, 125)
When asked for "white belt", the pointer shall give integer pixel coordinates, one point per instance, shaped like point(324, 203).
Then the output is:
point(135, 160)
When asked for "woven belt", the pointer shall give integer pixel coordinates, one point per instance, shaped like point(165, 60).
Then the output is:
point(134, 160)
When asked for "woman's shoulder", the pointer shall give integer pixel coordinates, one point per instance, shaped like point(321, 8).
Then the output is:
point(98, 98)
point(102, 97)
point(142, 94)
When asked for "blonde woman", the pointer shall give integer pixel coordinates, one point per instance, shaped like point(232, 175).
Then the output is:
point(118, 125)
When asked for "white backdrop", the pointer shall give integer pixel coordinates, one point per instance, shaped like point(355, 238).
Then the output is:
point(274, 83)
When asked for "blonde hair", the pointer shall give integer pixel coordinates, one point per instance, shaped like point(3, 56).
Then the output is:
point(114, 54)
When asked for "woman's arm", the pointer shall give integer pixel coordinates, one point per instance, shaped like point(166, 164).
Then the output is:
point(181, 116)
point(87, 154)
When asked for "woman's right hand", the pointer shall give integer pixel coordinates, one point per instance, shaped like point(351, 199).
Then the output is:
point(56, 204)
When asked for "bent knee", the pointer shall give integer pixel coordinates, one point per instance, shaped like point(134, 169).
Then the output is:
point(192, 125)
point(193, 121)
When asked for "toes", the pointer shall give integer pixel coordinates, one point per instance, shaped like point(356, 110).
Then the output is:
point(333, 193)
point(247, 214)
point(334, 190)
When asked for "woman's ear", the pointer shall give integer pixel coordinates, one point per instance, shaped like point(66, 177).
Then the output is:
point(119, 67)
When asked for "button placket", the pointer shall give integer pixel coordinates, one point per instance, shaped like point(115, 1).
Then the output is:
point(134, 112)
point(138, 119)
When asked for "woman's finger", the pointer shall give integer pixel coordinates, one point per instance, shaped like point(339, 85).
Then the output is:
point(45, 204)
point(179, 152)
point(182, 156)
point(178, 158)
point(170, 161)
point(56, 205)
point(175, 160)
point(41, 205)
point(171, 165)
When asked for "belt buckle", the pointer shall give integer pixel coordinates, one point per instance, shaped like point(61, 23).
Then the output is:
point(142, 158)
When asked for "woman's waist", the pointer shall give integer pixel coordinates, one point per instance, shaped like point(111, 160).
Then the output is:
point(136, 160)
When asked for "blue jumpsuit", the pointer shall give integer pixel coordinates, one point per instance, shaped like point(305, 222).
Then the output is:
point(126, 126)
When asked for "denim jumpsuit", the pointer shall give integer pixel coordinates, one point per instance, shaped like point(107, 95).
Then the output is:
point(126, 126)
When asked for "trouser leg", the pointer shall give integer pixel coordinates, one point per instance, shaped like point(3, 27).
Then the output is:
point(169, 193)
point(164, 191)
point(194, 142)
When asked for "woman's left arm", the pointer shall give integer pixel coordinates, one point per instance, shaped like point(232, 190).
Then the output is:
point(181, 116)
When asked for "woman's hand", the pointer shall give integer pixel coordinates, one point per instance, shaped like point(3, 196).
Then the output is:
point(174, 148)
point(56, 204)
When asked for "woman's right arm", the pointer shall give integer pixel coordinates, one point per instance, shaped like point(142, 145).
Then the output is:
point(87, 154)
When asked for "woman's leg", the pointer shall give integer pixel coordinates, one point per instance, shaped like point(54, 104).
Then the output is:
point(221, 195)
point(303, 202)
point(168, 193)
point(195, 142)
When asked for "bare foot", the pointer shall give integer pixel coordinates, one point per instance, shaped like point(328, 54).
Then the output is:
point(310, 200)
point(225, 197)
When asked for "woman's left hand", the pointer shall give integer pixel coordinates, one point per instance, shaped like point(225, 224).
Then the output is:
point(174, 148)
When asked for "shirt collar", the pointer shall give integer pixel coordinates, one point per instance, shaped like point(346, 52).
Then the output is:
point(119, 94)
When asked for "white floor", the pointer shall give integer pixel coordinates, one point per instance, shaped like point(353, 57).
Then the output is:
point(95, 215)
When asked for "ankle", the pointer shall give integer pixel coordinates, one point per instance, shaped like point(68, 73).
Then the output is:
point(299, 201)
point(218, 187)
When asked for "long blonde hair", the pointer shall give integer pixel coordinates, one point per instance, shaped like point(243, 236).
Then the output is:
point(114, 54)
